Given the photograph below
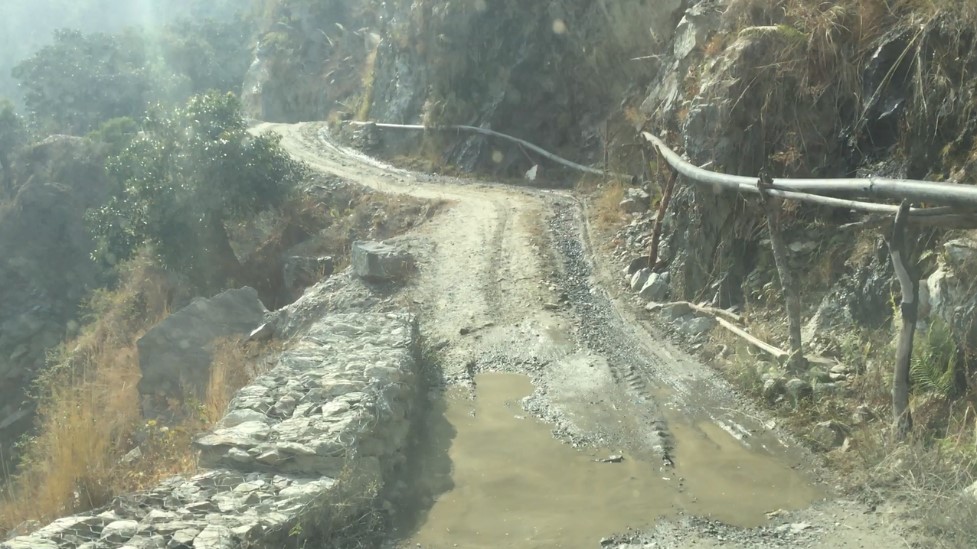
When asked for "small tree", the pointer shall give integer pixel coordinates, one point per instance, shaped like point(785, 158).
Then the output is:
point(183, 178)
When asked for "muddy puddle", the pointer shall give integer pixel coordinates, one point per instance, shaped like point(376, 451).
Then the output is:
point(494, 476)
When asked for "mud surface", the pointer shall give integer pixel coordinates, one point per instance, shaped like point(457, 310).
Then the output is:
point(509, 283)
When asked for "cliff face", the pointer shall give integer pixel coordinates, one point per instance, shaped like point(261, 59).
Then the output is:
point(551, 73)
point(44, 281)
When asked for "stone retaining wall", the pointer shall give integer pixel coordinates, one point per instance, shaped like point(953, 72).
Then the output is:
point(328, 424)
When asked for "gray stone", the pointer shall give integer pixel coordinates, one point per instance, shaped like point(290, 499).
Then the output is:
point(862, 415)
point(639, 278)
point(637, 264)
point(632, 206)
point(379, 261)
point(636, 201)
point(119, 531)
point(655, 288)
point(971, 492)
point(215, 536)
point(300, 272)
point(697, 326)
point(175, 355)
point(774, 389)
point(827, 435)
point(950, 291)
point(823, 390)
point(818, 374)
point(799, 390)
point(673, 311)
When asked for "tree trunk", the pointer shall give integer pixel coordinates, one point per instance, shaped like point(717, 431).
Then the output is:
point(909, 284)
point(772, 206)
point(217, 264)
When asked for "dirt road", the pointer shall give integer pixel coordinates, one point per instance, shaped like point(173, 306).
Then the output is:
point(643, 436)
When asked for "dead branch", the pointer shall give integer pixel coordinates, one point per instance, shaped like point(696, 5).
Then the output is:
point(909, 284)
point(656, 234)
point(772, 207)
point(775, 352)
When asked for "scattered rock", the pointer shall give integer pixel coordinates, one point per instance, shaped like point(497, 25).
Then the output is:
point(639, 278)
point(630, 206)
point(636, 264)
point(798, 390)
point(823, 390)
point(119, 531)
point(655, 287)
point(971, 491)
point(672, 311)
point(827, 435)
point(862, 415)
point(300, 272)
point(697, 326)
point(774, 389)
point(381, 262)
point(802, 247)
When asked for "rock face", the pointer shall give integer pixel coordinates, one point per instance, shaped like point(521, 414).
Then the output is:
point(952, 293)
point(301, 272)
point(176, 354)
point(326, 426)
point(381, 262)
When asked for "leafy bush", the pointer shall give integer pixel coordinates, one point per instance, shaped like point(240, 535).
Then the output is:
point(189, 172)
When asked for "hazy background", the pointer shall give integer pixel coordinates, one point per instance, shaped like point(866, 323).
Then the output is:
point(27, 25)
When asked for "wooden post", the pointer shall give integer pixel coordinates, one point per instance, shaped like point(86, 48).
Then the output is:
point(909, 284)
point(656, 233)
point(772, 206)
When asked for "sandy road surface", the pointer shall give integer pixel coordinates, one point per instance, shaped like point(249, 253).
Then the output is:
point(509, 284)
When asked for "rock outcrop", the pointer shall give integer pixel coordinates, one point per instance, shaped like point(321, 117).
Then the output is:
point(301, 450)
point(175, 355)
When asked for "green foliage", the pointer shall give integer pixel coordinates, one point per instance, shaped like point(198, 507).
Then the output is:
point(189, 171)
point(213, 55)
point(80, 80)
point(934, 360)
point(13, 135)
point(116, 134)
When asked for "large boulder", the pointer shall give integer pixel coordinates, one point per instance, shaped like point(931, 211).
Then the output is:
point(175, 355)
point(381, 262)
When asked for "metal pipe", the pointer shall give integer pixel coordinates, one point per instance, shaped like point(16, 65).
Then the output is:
point(946, 194)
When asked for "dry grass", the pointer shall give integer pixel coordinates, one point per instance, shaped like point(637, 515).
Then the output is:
point(91, 443)
point(608, 205)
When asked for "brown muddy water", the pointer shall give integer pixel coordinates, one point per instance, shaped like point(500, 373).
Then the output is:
point(493, 476)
